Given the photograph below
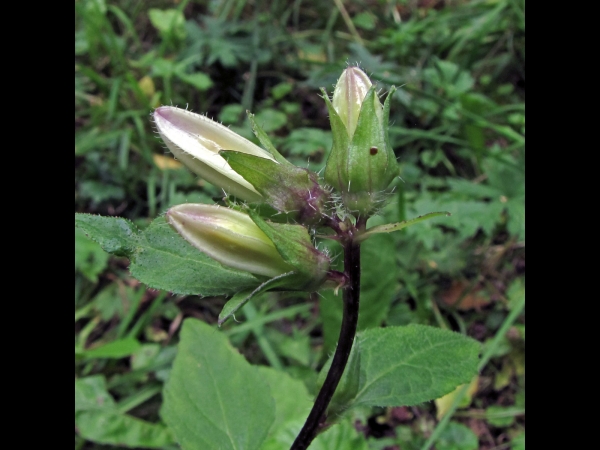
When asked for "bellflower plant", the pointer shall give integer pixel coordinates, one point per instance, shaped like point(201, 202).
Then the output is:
point(268, 242)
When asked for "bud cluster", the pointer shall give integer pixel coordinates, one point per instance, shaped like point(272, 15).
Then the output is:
point(360, 168)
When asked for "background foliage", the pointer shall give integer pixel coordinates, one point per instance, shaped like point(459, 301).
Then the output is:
point(458, 127)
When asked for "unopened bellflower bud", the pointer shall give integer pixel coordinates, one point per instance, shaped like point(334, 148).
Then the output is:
point(196, 140)
point(362, 163)
point(229, 237)
point(249, 243)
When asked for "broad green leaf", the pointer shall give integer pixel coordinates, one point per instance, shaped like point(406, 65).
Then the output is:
point(214, 399)
point(114, 234)
point(97, 419)
point(90, 259)
point(457, 436)
point(292, 406)
point(164, 260)
point(402, 366)
point(115, 349)
point(378, 285)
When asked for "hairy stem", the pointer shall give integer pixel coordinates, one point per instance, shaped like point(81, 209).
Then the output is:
point(316, 418)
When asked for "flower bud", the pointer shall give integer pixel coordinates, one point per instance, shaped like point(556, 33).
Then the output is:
point(349, 93)
point(196, 141)
point(249, 243)
point(229, 237)
point(362, 163)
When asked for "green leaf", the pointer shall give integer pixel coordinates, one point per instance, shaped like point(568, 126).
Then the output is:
point(271, 119)
point(90, 259)
point(214, 399)
point(292, 406)
point(342, 436)
point(240, 299)
point(97, 419)
point(390, 227)
point(403, 366)
point(199, 80)
point(114, 234)
point(168, 21)
point(164, 260)
point(115, 349)
point(296, 346)
point(457, 436)
point(91, 393)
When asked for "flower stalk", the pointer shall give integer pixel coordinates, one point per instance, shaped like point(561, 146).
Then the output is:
point(316, 420)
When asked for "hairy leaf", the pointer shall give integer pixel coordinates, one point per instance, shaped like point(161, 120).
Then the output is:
point(114, 234)
point(214, 399)
point(98, 419)
point(164, 260)
point(413, 364)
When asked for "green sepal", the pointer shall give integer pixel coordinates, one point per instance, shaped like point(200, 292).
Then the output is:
point(285, 187)
point(372, 164)
point(295, 247)
point(390, 227)
point(265, 141)
point(114, 234)
point(241, 298)
point(339, 153)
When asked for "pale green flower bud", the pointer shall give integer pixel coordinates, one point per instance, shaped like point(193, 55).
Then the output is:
point(196, 140)
point(348, 95)
point(362, 163)
point(229, 237)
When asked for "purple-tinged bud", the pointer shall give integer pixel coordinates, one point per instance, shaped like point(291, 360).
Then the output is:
point(196, 140)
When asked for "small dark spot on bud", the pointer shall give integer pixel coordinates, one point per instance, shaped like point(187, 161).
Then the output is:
point(373, 150)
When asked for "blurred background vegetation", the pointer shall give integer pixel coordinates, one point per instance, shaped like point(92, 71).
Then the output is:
point(458, 125)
